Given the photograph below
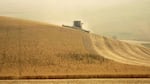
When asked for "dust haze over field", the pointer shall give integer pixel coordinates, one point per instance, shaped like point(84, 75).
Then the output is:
point(31, 49)
point(36, 46)
point(125, 19)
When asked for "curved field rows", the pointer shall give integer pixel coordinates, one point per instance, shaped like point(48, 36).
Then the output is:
point(120, 51)
point(31, 49)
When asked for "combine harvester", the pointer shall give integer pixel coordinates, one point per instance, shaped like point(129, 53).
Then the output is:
point(77, 25)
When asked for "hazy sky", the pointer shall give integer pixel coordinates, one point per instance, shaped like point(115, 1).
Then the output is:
point(126, 19)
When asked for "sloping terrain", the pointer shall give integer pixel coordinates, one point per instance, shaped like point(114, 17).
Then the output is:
point(144, 43)
point(122, 52)
point(31, 49)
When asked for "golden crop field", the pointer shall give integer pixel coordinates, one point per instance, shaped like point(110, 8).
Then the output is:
point(80, 81)
point(31, 49)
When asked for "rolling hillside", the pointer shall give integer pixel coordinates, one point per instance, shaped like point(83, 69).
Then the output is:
point(122, 52)
point(31, 49)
